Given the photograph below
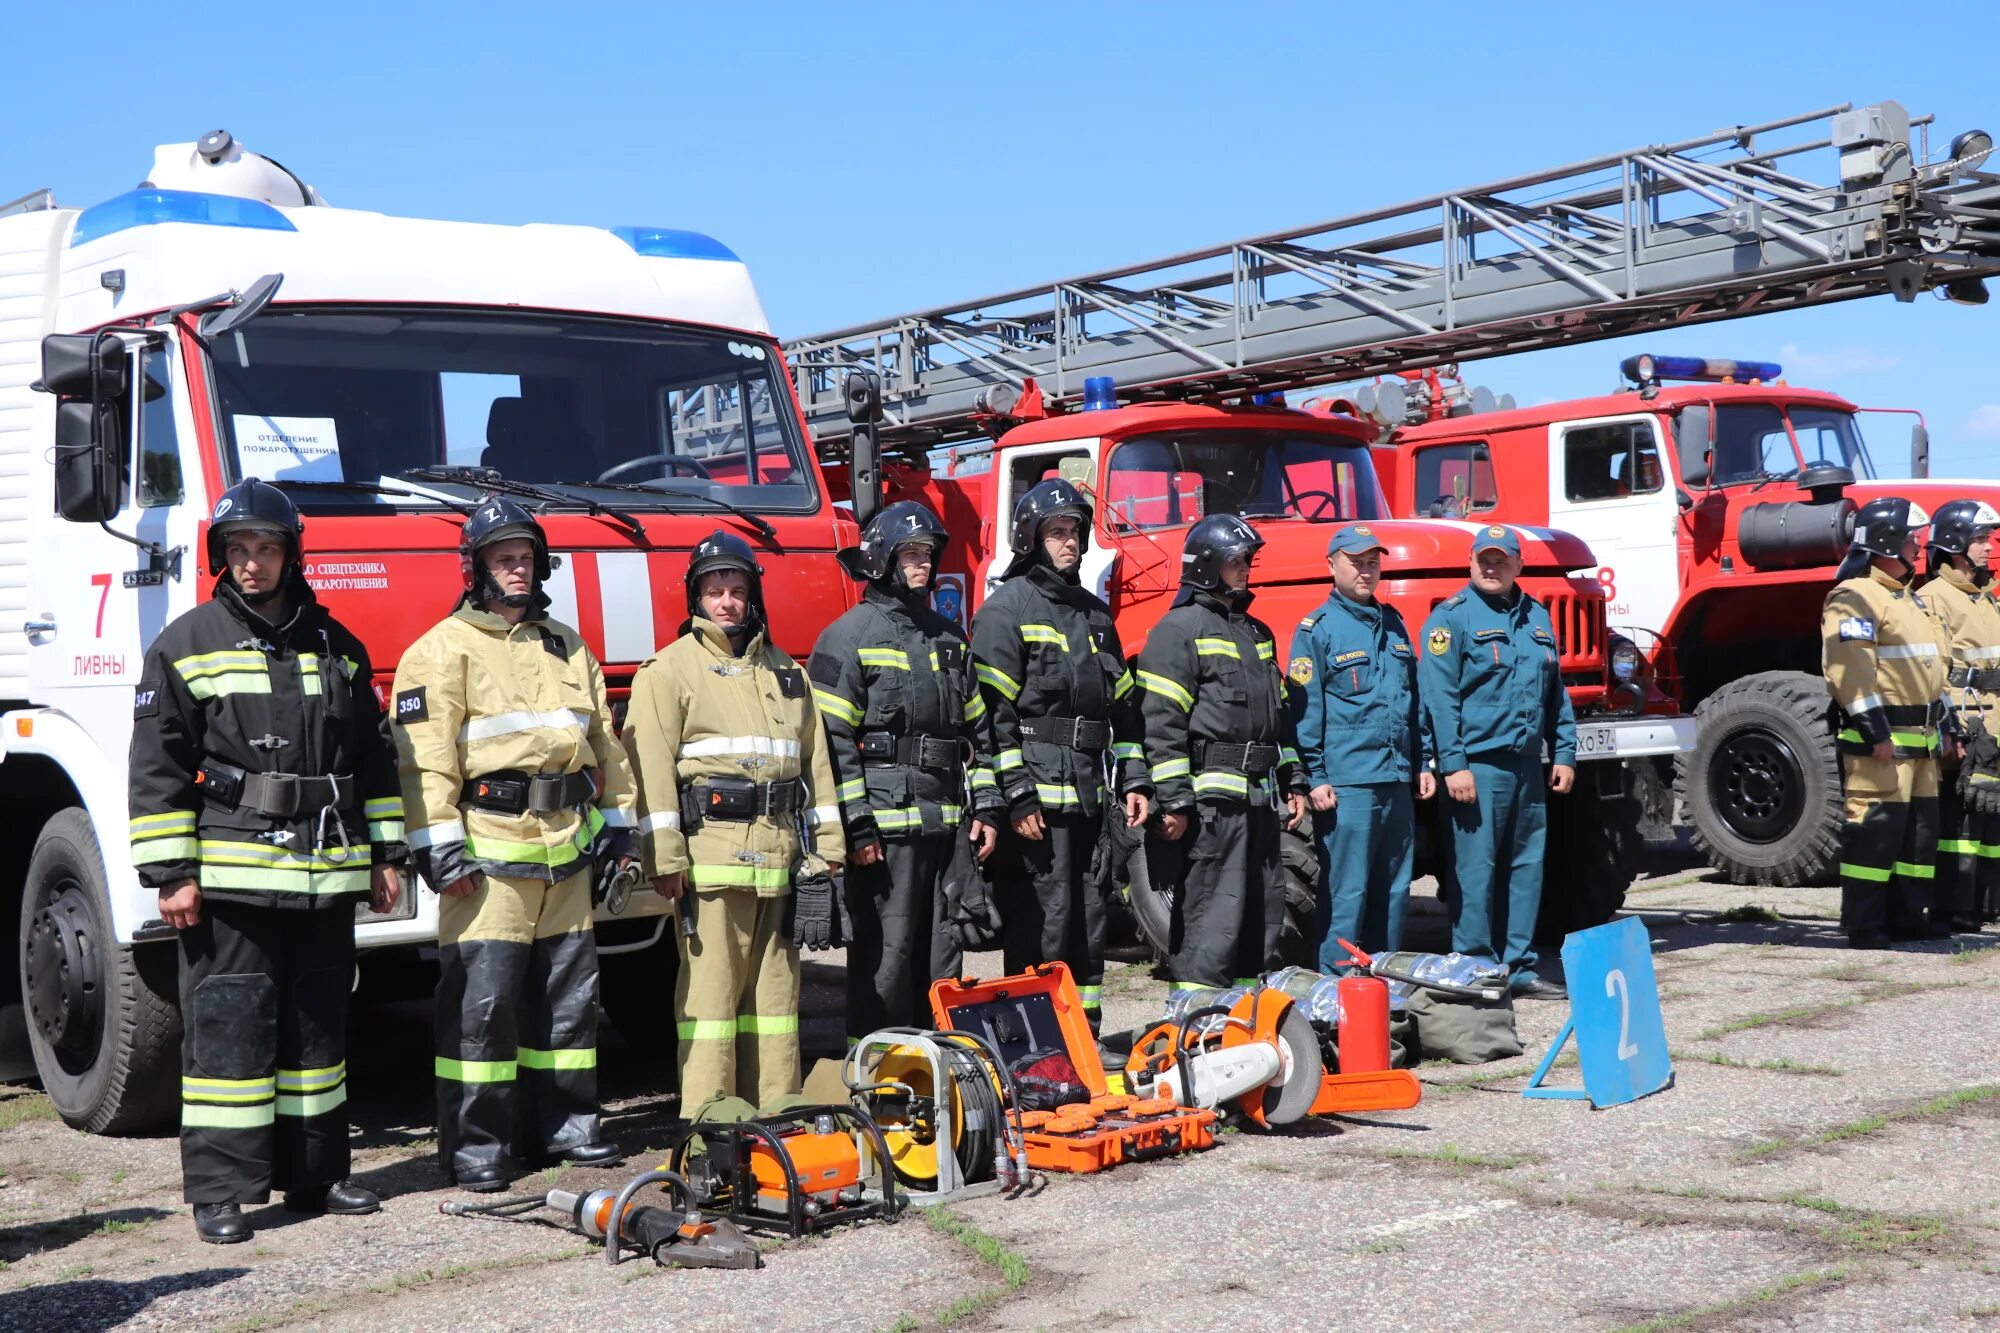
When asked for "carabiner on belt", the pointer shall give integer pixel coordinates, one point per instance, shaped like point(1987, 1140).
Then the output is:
point(329, 815)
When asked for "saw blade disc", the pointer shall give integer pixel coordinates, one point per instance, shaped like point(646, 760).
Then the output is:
point(1289, 1097)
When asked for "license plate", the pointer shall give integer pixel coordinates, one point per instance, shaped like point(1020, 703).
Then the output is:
point(1596, 739)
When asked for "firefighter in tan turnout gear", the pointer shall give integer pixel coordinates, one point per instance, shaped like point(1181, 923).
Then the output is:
point(732, 761)
point(264, 807)
point(1960, 595)
point(514, 784)
point(1885, 659)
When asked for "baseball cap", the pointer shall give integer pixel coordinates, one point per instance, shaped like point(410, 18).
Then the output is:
point(1497, 537)
point(1354, 538)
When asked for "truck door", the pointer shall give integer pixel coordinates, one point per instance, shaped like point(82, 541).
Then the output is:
point(1018, 470)
point(96, 602)
point(1607, 484)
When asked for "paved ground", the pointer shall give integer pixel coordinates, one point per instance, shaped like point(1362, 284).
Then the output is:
point(1829, 1158)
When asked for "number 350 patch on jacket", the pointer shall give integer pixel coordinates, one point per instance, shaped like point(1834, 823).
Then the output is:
point(1855, 627)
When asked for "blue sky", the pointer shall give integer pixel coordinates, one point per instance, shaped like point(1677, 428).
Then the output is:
point(872, 159)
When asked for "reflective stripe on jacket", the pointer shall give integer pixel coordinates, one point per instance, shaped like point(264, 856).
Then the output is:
point(1885, 657)
point(1211, 674)
point(902, 670)
point(222, 684)
point(476, 696)
point(700, 711)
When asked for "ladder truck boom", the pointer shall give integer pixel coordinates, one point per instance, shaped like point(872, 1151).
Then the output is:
point(1850, 204)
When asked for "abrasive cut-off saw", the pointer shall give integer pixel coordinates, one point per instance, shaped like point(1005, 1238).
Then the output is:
point(1259, 1056)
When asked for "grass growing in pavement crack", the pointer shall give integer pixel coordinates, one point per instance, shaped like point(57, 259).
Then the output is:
point(989, 1249)
point(22, 1107)
point(1458, 1159)
point(1871, 1124)
point(1797, 1284)
point(1746, 913)
point(1894, 990)
point(1781, 1066)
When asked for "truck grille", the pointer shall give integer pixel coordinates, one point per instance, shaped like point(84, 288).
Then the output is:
point(1579, 625)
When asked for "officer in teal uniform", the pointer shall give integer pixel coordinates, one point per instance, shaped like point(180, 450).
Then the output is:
point(1493, 696)
point(1352, 688)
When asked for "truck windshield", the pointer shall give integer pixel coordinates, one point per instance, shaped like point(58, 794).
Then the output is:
point(1752, 444)
point(1162, 481)
point(615, 410)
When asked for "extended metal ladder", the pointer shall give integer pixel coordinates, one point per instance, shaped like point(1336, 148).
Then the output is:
point(1709, 228)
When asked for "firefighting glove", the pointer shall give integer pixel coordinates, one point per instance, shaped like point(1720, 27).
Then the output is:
point(971, 909)
point(1979, 773)
point(818, 913)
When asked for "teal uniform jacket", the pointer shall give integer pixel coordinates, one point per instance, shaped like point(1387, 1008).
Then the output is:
point(1491, 682)
point(1352, 687)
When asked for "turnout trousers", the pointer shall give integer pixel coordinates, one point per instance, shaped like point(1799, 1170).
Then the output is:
point(1494, 846)
point(1889, 844)
point(1051, 907)
point(1366, 846)
point(264, 1050)
point(899, 943)
point(738, 997)
point(1230, 903)
point(1968, 860)
point(516, 1022)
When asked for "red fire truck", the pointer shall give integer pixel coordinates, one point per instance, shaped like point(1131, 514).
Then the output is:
point(1716, 500)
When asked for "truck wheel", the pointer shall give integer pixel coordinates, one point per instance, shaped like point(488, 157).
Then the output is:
point(635, 993)
point(1152, 911)
point(1762, 788)
point(103, 1020)
point(1591, 856)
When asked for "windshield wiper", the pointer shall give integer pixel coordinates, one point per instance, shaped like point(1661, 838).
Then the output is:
point(757, 521)
point(1766, 478)
point(486, 477)
point(371, 488)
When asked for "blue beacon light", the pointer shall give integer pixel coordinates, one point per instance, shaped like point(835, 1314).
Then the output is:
point(1645, 368)
point(1100, 393)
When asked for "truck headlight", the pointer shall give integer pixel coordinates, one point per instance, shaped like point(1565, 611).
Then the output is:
point(1626, 663)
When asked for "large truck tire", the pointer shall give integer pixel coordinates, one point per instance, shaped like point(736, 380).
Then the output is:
point(1762, 789)
point(103, 1020)
point(1591, 855)
point(1152, 910)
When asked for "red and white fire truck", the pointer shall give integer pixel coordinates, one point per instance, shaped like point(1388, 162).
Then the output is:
point(386, 372)
point(1716, 500)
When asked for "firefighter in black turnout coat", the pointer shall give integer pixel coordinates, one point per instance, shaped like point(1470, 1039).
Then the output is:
point(1217, 737)
point(1060, 710)
point(894, 682)
point(264, 806)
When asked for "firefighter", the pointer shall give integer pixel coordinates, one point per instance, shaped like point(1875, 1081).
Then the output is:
point(1222, 762)
point(1491, 687)
point(893, 680)
point(1959, 595)
point(264, 807)
point(1353, 694)
point(1885, 660)
point(1059, 704)
point(732, 760)
point(516, 786)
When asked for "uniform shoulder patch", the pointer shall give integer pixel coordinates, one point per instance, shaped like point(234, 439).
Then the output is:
point(1438, 641)
point(1300, 671)
point(824, 668)
point(146, 699)
point(1857, 627)
point(411, 706)
point(1309, 622)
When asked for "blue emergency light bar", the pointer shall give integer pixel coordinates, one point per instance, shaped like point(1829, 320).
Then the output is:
point(144, 208)
point(1648, 369)
point(1100, 393)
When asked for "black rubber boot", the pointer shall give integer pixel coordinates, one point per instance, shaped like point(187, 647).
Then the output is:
point(220, 1223)
point(344, 1199)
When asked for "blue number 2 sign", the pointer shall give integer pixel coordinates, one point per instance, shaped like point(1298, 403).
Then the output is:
point(1615, 1013)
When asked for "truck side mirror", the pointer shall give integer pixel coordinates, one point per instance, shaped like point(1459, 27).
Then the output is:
point(90, 376)
point(862, 391)
point(1694, 438)
point(1920, 450)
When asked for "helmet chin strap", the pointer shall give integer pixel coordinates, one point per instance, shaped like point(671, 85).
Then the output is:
point(489, 592)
